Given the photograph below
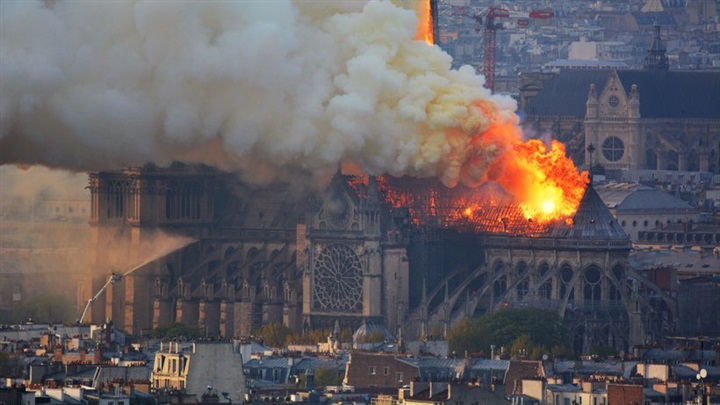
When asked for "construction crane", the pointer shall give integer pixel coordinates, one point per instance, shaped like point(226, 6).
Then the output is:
point(486, 18)
point(114, 278)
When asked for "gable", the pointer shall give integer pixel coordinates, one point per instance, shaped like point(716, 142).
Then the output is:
point(613, 98)
point(338, 206)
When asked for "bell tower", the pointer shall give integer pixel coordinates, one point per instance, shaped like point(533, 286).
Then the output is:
point(655, 58)
point(128, 207)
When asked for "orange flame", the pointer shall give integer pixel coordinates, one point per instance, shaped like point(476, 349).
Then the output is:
point(538, 186)
point(424, 30)
point(546, 183)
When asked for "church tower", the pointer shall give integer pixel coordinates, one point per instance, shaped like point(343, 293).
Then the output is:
point(128, 207)
point(656, 59)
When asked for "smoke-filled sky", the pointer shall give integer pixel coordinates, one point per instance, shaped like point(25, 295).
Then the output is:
point(254, 86)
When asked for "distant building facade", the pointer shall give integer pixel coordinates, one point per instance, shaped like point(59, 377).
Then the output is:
point(643, 209)
point(198, 368)
point(653, 118)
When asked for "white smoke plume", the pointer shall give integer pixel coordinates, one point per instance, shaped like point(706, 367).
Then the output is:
point(243, 85)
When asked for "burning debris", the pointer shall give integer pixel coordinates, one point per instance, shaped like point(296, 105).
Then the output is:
point(483, 209)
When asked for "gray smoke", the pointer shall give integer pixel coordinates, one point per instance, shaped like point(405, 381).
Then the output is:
point(254, 86)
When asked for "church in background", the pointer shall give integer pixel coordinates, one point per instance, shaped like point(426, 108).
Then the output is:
point(635, 121)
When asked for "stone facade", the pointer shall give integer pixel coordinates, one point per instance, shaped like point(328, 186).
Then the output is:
point(342, 257)
point(650, 119)
point(304, 259)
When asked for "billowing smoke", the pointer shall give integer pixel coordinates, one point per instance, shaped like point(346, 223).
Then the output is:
point(30, 184)
point(255, 86)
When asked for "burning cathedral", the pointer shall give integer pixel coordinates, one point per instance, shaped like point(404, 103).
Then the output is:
point(354, 81)
point(408, 255)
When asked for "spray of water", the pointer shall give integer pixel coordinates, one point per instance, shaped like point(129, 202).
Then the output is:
point(175, 244)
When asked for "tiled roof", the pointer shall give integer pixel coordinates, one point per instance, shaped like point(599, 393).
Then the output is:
point(690, 261)
point(663, 355)
point(441, 363)
point(315, 362)
point(299, 364)
point(684, 372)
point(88, 372)
point(618, 368)
point(267, 362)
point(109, 374)
point(487, 364)
point(256, 347)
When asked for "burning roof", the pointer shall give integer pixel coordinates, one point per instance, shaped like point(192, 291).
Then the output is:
point(489, 209)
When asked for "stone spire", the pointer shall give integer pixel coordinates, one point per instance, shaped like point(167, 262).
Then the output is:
point(655, 59)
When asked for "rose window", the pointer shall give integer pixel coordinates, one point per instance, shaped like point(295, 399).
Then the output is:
point(613, 149)
point(614, 101)
point(337, 280)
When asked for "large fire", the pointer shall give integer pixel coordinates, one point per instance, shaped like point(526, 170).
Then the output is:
point(540, 183)
point(424, 30)
point(545, 182)
point(532, 188)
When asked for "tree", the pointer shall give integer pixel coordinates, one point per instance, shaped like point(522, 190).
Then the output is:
point(325, 376)
point(603, 351)
point(312, 337)
point(521, 346)
point(275, 334)
point(372, 337)
point(176, 330)
point(346, 335)
point(529, 330)
point(469, 336)
point(544, 328)
point(562, 352)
